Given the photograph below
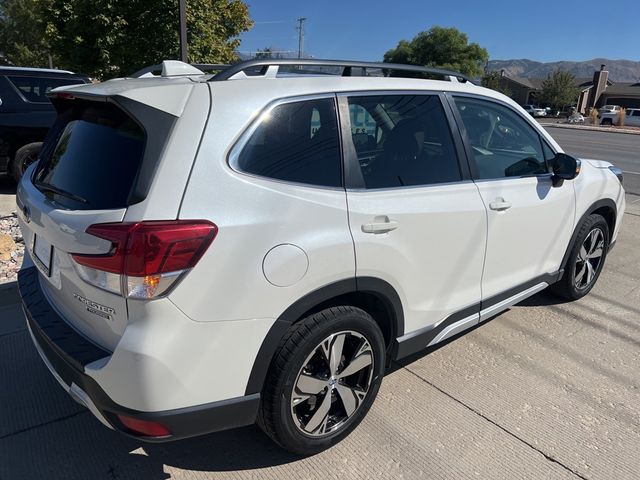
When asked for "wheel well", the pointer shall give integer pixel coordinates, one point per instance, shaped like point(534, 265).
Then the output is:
point(371, 303)
point(609, 215)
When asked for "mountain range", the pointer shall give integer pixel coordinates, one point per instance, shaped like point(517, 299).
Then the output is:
point(624, 71)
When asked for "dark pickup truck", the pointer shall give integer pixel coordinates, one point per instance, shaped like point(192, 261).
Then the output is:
point(26, 113)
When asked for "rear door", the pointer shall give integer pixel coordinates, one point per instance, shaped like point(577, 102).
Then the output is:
point(86, 175)
point(530, 220)
point(417, 220)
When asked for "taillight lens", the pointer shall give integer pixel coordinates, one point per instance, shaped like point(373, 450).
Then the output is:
point(146, 258)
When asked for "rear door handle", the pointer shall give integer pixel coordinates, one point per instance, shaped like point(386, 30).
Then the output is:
point(380, 224)
point(500, 205)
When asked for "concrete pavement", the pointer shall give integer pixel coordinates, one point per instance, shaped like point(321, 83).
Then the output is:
point(546, 390)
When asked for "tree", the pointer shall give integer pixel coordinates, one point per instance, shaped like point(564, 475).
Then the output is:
point(265, 53)
point(494, 81)
point(106, 38)
point(559, 89)
point(441, 47)
point(22, 33)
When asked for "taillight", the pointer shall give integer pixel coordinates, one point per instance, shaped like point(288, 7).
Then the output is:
point(146, 258)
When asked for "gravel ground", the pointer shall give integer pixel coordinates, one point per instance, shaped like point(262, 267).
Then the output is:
point(11, 248)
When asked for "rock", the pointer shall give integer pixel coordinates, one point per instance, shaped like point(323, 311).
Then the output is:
point(7, 245)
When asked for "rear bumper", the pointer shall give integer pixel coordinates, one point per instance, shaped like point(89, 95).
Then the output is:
point(66, 353)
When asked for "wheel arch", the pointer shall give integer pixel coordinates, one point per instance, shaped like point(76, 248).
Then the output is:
point(373, 295)
point(605, 207)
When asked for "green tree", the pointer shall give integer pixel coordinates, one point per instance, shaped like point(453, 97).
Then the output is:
point(494, 81)
point(22, 33)
point(441, 47)
point(559, 89)
point(265, 53)
point(107, 38)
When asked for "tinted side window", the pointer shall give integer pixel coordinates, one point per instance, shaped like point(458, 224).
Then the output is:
point(296, 142)
point(402, 140)
point(503, 143)
point(35, 89)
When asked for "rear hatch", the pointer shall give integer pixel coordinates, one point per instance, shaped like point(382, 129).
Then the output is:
point(99, 159)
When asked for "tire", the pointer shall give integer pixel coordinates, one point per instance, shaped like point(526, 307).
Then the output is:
point(295, 420)
point(24, 157)
point(575, 282)
point(606, 121)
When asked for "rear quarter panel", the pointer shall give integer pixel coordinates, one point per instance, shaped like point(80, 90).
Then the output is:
point(254, 215)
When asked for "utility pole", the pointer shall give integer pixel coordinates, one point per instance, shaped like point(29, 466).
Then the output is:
point(300, 29)
point(183, 30)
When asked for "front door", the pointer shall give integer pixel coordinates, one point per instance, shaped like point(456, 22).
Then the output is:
point(530, 220)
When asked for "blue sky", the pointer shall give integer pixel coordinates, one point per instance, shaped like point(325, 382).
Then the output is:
point(541, 30)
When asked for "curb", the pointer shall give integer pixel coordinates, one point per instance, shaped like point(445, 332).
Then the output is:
point(593, 129)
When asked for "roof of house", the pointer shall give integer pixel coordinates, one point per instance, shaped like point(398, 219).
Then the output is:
point(536, 83)
point(623, 89)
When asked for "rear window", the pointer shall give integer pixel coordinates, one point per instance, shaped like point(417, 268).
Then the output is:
point(35, 89)
point(92, 157)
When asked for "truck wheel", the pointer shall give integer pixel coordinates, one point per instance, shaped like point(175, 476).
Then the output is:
point(24, 157)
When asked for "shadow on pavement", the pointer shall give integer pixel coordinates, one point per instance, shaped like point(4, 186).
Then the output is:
point(540, 299)
point(543, 299)
point(7, 185)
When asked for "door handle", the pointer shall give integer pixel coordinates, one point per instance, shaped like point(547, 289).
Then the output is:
point(380, 224)
point(500, 205)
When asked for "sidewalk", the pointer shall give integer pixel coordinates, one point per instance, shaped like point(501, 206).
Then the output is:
point(594, 128)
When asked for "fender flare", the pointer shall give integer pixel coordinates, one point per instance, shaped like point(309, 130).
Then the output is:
point(382, 289)
point(605, 202)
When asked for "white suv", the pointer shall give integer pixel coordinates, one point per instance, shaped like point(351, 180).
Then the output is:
point(205, 252)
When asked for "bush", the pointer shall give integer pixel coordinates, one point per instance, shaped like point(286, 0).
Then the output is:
point(593, 116)
point(621, 117)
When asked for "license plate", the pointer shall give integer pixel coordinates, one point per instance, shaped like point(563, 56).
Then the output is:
point(43, 252)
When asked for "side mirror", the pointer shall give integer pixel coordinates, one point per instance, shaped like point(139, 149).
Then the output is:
point(565, 167)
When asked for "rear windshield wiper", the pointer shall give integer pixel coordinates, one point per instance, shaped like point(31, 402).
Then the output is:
point(45, 187)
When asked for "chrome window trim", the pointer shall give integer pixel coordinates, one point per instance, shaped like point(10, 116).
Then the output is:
point(408, 187)
point(256, 120)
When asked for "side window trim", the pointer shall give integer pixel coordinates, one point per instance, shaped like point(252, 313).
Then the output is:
point(465, 138)
point(254, 124)
point(353, 179)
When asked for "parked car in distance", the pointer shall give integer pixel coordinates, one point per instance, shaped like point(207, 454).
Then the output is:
point(26, 113)
point(535, 111)
point(191, 239)
point(631, 118)
point(609, 109)
point(575, 117)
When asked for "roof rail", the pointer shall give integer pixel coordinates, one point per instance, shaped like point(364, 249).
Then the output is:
point(270, 68)
point(205, 67)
